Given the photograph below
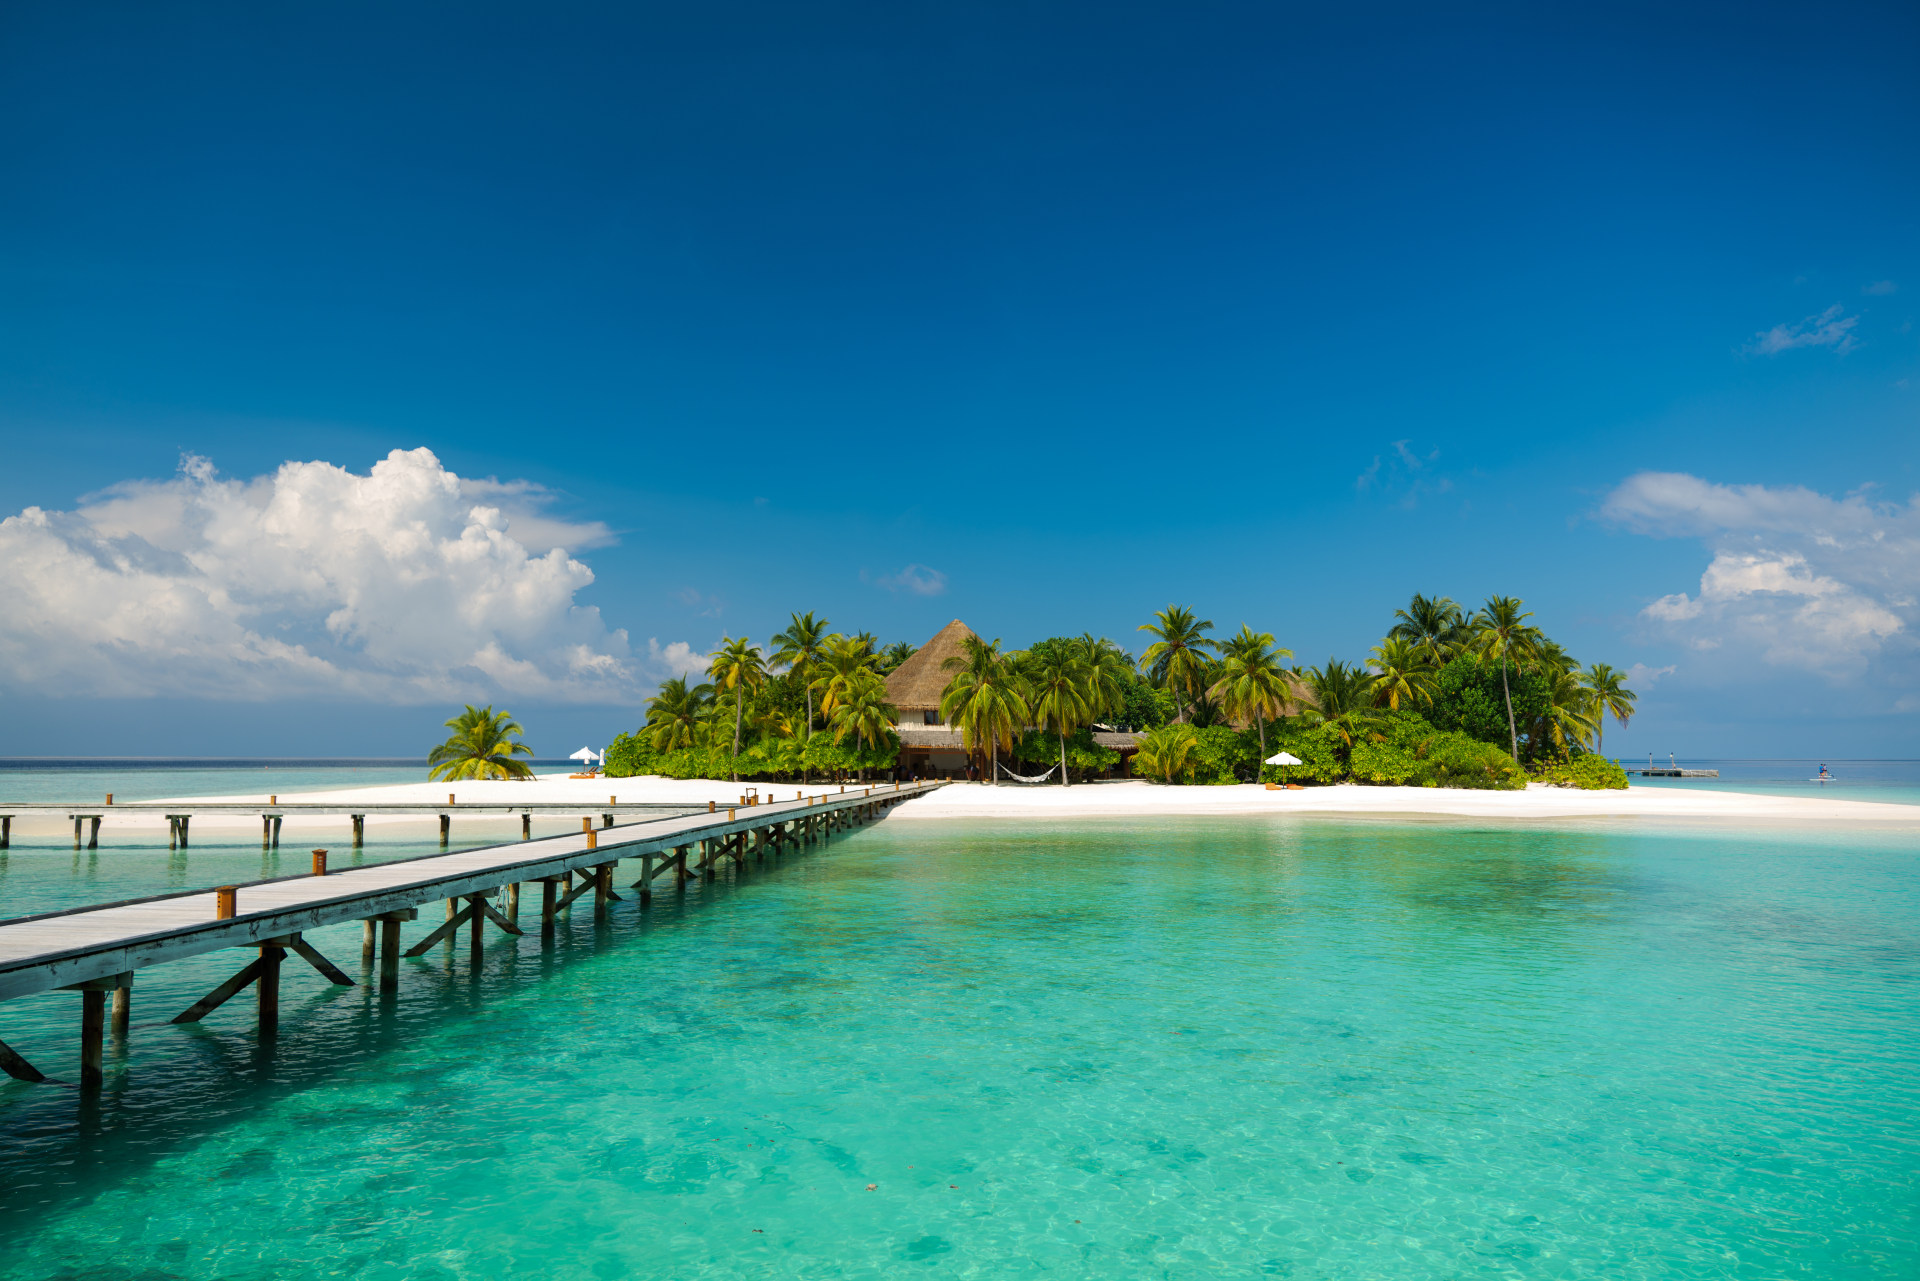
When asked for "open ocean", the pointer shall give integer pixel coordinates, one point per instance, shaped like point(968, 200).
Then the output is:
point(1176, 1048)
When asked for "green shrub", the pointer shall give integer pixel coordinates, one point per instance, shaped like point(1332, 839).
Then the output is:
point(1084, 756)
point(1319, 748)
point(1587, 772)
point(1470, 701)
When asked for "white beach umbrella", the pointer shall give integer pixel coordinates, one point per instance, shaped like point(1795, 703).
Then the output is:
point(1283, 758)
point(584, 755)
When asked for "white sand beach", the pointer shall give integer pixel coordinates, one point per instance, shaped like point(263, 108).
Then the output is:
point(1109, 799)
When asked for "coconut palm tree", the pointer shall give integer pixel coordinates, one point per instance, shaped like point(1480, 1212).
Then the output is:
point(1435, 624)
point(798, 648)
point(1177, 660)
point(985, 700)
point(482, 745)
point(864, 712)
point(1608, 695)
point(839, 668)
point(895, 654)
point(1500, 632)
point(1569, 717)
point(1402, 673)
point(674, 713)
point(1164, 751)
point(1059, 693)
point(1109, 672)
point(737, 666)
point(1251, 683)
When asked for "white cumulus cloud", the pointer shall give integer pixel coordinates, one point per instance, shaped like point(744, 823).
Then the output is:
point(1796, 577)
point(407, 584)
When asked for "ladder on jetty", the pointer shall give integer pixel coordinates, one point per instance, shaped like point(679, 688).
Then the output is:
point(97, 950)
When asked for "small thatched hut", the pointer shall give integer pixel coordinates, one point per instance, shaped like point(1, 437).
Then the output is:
point(928, 746)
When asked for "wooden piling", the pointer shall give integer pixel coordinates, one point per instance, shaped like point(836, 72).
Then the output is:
point(549, 897)
point(319, 862)
point(266, 829)
point(93, 832)
point(123, 1007)
point(226, 902)
point(276, 830)
point(6, 831)
point(359, 829)
point(93, 1026)
point(268, 983)
point(369, 935)
point(513, 902)
point(390, 952)
point(477, 940)
point(446, 823)
point(526, 826)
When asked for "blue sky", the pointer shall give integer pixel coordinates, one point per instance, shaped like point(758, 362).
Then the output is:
point(1042, 316)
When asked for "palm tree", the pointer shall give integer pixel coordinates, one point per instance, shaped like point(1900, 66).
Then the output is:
point(1177, 660)
point(839, 667)
point(984, 699)
point(1608, 696)
point(1109, 672)
point(674, 713)
point(1401, 673)
point(1059, 693)
point(737, 666)
point(1342, 698)
point(1569, 716)
point(864, 712)
point(1437, 625)
point(798, 648)
point(1501, 633)
point(1164, 751)
point(482, 745)
point(895, 654)
point(1251, 681)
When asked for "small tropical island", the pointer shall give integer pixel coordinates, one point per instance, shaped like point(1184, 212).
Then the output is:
point(1447, 698)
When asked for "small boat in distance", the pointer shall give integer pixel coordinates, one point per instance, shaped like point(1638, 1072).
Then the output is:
point(1824, 776)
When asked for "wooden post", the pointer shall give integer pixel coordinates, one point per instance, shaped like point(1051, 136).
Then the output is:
point(123, 1007)
point(369, 935)
point(359, 829)
point(709, 807)
point(93, 1025)
point(226, 902)
point(646, 879)
point(6, 831)
point(513, 902)
point(549, 895)
point(319, 862)
point(266, 829)
point(476, 942)
point(93, 832)
point(602, 889)
point(526, 826)
point(389, 953)
point(446, 822)
point(76, 831)
point(269, 984)
point(449, 798)
point(586, 825)
point(593, 839)
point(185, 821)
point(606, 820)
point(276, 830)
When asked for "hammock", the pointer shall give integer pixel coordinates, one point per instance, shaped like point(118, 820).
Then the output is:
point(1022, 778)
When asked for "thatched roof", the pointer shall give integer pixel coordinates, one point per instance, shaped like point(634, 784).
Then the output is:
point(917, 684)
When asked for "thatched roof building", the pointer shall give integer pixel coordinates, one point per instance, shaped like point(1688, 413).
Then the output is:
point(916, 685)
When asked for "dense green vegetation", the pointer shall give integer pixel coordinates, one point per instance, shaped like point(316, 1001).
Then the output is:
point(1446, 699)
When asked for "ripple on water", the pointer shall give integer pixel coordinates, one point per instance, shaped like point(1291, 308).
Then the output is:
point(1203, 1048)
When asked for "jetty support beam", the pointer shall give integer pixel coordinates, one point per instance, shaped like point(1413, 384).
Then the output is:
point(17, 1067)
point(359, 829)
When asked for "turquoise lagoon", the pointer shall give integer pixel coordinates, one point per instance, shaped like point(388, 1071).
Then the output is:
point(1176, 1048)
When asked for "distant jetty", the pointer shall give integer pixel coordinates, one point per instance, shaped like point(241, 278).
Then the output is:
point(1673, 771)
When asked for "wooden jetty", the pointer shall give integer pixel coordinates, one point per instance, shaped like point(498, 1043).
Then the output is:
point(97, 950)
point(179, 814)
point(1665, 771)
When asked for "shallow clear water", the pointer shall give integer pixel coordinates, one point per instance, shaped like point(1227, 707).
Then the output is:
point(1181, 1048)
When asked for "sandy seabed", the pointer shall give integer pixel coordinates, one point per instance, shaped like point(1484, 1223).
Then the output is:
point(1107, 799)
